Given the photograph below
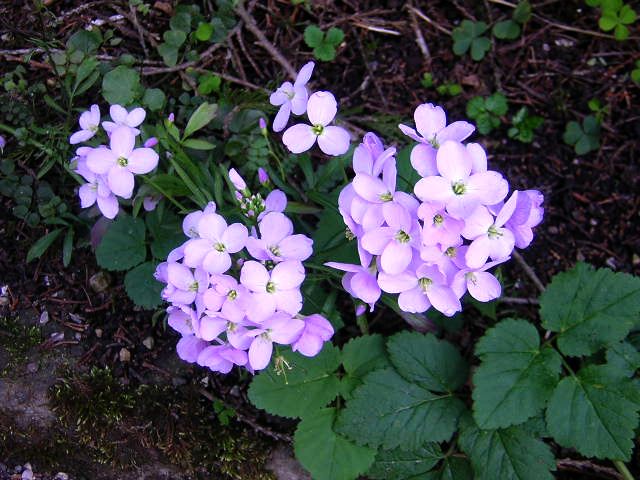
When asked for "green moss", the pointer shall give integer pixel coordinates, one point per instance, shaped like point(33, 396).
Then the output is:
point(16, 340)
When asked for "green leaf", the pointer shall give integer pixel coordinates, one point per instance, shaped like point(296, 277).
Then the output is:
point(209, 83)
point(608, 21)
point(635, 76)
point(204, 32)
point(506, 30)
point(508, 454)
point(327, 455)
point(310, 384)
point(572, 133)
point(522, 12)
point(360, 356)
point(200, 118)
point(479, 47)
point(67, 247)
point(169, 54)
point(590, 309)
point(142, 287)
point(174, 38)
point(407, 175)
point(430, 363)
point(154, 99)
point(475, 107)
point(402, 464)
point(497, 104)
point(121, 85)
point(624, 357)
point(166, 232)
point(85, 41)
point(325, 52)
point(621, 32)
point(627, 15)
point(453, 468)
point(43, 243)
point(388, 411)
point(515, 378)
point(122, 246)
point(595, 412)
point(313, 36)
point(334, 36)
point(198, 144)
point(85, 69)
point(181, 21)
point(169, 185)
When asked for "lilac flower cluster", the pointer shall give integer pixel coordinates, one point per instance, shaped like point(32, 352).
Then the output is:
point(321, 109)
point(230, 309)
point(435, 245)
point(109, 170)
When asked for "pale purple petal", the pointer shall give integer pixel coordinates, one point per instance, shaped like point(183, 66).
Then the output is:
point(296, 247)
point(457, 131)
point(211, 226)
point(260, 352)
point(434, 188)
point(195, 250)
point(142, 160)
point(397, 283)
point(304, 74)
point(282, 117)
point(322, 108)
point(429, 120)
point(254, 276)
point(396, 257)
point(411, 133)
point(135, 117)
point(189, 348)
point(211, 327)
point(478, 157)
point(120, 181)
point(179, 276)
point(483, 286)
point(118, 114)
point(108, 206)
point(276, 201)
point(81, 136)
point(122, 141)
point(275, 226)
point(423, 160)
point(413, 301)
point(234, 237)
point(369, 187)
point(490, 187)
point(376, 240)
point(334, 140)
point(444, 300)
point(287, 275)
point(299, 100)
point(454, 162)
point(100, 160)
point(477, 224)
point(87, 194)
point(478, 252)
point(289, 301)
point(365, 287)
point(216, 262)
point(299, 138)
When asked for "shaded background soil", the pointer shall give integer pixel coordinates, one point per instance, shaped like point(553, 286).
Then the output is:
point(559, 63)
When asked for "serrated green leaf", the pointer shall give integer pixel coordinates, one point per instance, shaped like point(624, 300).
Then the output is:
point(200, 118)
point(123, 245)
point(475, 107)
point(324, 453)
point(310, 384)
point(505, 454)
point(624, 357)
point(400, 464)
point(325, 52)
point(432, 364)
point(522, 12)
point(43, 244)
point(497, 104)
point(362, 355)
point(515, 378)
point(334, 36)
point(120, 85)
point(313, 36)
point(506, 30)
point(453, 468)
point(590, 309)
point(595, 412)
point(142, 287)
point(388, 411)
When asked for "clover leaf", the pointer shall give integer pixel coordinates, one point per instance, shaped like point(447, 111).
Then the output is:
point(469, 36)
point(324, 44)
point(585, 138)
point(487, 111)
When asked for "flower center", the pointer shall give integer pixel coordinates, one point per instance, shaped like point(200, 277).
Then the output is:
point(193, 232)
point(425, 283)
point(470, 277)
point(219, 247)
point(275, 250)
point(451, 252)
point(434, 142)
point(231, 327)
point(271, 287)
point(438, 220)
point(193, 287)
point(458, 188)
point(93, 128)
point(386, 197)
point(232, 295)
point(317, 130)
point(493, 232)
point(349, 234)
point(123, 162)
point(402, 237)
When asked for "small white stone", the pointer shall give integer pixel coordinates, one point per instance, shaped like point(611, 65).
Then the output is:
point(124, 355)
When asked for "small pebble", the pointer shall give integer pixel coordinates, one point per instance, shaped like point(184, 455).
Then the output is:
point(100, 281)
point(611, 263)
point(57, 336)
point(75, 318)
point(553, 230)
point(61, 476)
point(125, 355)
point(44, 317)
point(148, 342)
point(98, 332)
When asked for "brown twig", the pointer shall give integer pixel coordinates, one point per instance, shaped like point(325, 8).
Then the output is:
point(263, 41)
point(429, 21)
point(529, 271)
point(585, 466)
point(519, 301)
point(422, 45)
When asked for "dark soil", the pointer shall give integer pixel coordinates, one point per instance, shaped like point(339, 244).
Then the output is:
point(591, 203)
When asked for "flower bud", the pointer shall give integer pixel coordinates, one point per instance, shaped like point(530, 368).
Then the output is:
point(171, 117)
point(237, 180)
point(3, 142)
point(151, 142)
point(263, 176)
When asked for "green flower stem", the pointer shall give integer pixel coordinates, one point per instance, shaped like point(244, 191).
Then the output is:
point(622, 468)
point(169, 197)
point(277, 159)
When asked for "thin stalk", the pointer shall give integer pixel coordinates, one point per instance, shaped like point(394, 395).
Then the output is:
point(622, 468)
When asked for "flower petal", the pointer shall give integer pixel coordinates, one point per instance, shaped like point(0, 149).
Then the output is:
point(287, 275)
point(100, 160)
point(454, 162)
point(282, 117)
point(120, 181)
point(423, 160)
point(122, 141)
point(490, 187)
point(457, 131)
point(142, 160)
point(334, 140)
point(260, 352)
point(254, 276)
point(304, 74)
point(483, 286)
point(135, 117)
point(322, 108)
point(299, 138)
point(108, 206)
point(234, 237)
point(429, 120)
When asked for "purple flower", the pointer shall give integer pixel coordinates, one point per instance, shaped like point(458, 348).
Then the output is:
point(183, 285)
point(527, 214)
point(438, 226)
point(263, 176)
point(321, 110)
point(291, 98)
point(370, 157)
point(396, 242)
point(190, 222)
point(221, 358)
point(121, 161)
point(228, 297)
point(488, 235)
point(275, 290)
point(150, 142)
point(262, 124)
point(89, 123)
point(237, 180)
point(458, 189)
point(189, 348)
point(421, 289)
point(359, 281)
point(277, 242)
point(276, 201)
point(217, 240)
point(482, 285)
point(3, 143)
point(317, 330)
point(279, 328)
point(183, 320)
point(122, 118)
point(96, 190)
